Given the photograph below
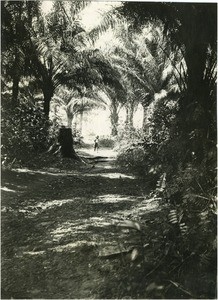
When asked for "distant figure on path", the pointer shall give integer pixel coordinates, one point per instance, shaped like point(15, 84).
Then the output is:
point(96, 143)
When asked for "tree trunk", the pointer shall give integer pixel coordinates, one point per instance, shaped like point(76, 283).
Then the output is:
point(114, 120)
point(66, 142)
point(69, 120)
point(194, 35)
point(194, 115)
point(81, 122)
point(145, 104)
point(75, 123)
point(15, 90)
point(48, 93)
point(129, 114)
point(16, 80)
point(145, 123)
point(195, 58)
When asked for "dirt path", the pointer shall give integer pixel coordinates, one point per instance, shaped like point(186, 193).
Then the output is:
point(56, 227)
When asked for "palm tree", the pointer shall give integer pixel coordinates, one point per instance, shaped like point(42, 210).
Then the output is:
point(192, 28)
point(51, 59)
point(74, 103)
point(115, 102)
point(17, 19)
point(188, 28)
point(38, 46)
point(97, 70)
point(87, 67)
point(145, 59)
point(147, 64)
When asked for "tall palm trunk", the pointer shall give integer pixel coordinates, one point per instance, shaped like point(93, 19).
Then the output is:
point(75, 123)
point(16, 80)
point(114, 119)
point(195, 115)
point(81, 122)
point(48, 92)
point(195, 58)
point(145, 120)
point(129, 114)
point(69, 120)
point(145, 104)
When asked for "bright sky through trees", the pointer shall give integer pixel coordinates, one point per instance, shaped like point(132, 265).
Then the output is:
point(46, 6)
point(91, 15)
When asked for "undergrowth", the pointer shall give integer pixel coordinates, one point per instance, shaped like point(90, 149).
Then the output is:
point(184, 265)
point(26, 133)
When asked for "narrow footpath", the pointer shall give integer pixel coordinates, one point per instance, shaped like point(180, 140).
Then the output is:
point(60, 235)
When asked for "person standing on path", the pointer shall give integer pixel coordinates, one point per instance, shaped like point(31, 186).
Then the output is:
point(96, 143)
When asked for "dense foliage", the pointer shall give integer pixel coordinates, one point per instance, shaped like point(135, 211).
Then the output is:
point(180, 148)
point(24, 133)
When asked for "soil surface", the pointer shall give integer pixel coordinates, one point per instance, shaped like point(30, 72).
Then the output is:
point(60, 230)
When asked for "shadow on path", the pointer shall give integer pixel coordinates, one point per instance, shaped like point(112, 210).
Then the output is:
point(55, 223)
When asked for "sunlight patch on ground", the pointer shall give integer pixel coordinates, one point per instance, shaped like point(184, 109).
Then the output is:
point(79, 226)
point(141, 208)
point(51, 204)
point(16, 185)
point(112, 198)
point(110, 175)
point(106, 175)
point(32, 253)
point(73, 245)
point(116, 176)
point(98, 221)
point(25, 170)
point(5, 189)
point(6, 209)
point(41, 206)
point(105, 153)
point(108, 167)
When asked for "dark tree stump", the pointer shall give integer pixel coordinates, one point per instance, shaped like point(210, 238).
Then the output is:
point(66, 142)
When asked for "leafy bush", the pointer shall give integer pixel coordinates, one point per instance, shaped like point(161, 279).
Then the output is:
point(133, 159)
point(173, 250)
point(137, 154)
point(77, 138)
point(106, 142)
point(25, 131)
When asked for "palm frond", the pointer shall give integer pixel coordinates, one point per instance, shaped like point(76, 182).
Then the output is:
point(109, 21)
point(77, 105)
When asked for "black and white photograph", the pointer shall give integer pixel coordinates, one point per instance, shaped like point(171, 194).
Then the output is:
point(108, 149)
